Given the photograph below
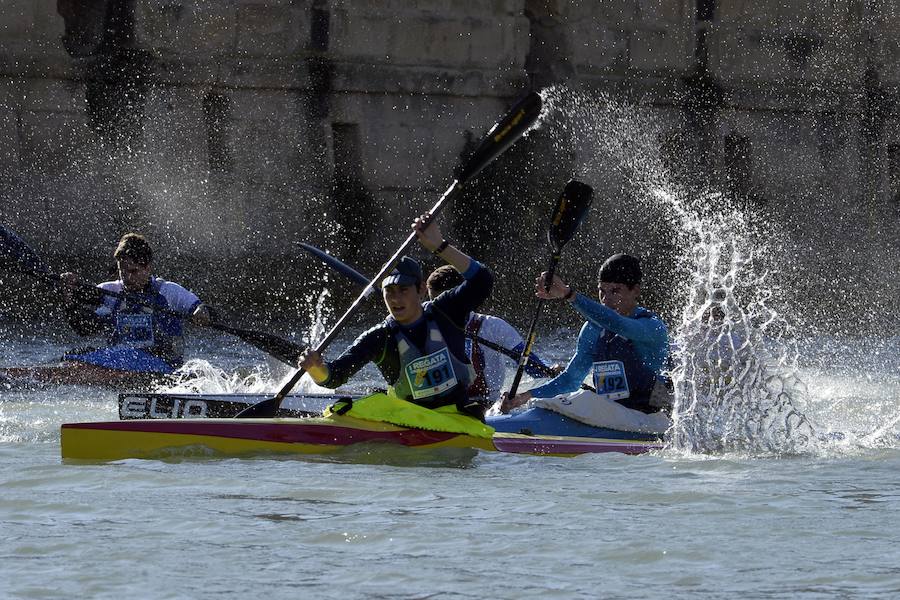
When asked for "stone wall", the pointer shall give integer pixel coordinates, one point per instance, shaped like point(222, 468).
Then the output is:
point(228, 129)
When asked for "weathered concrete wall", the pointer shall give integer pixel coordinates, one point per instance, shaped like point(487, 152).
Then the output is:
point(232, 122)
point(226, 130)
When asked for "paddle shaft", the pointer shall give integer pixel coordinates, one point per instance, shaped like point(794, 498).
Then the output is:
point(501, 136)
point(570, 211)
point(532, 329)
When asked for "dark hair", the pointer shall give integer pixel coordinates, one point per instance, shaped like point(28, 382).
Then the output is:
point(135, 247)
point(442, 279)
point(621, 268)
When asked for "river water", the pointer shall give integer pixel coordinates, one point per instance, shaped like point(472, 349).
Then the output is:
point(821, 523)
point(779, 477)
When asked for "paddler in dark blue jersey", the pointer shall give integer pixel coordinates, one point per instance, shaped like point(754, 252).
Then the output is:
point(139, 338)
point(622, 345)
point(420, 347)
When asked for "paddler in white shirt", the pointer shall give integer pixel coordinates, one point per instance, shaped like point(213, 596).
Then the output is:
point(139, 338)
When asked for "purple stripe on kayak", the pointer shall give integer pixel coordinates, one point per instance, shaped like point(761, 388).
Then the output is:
point(539, 445)
point(290, 433)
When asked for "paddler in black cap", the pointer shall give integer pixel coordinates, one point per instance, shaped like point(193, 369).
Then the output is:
point(623, 345)
point(420, 347)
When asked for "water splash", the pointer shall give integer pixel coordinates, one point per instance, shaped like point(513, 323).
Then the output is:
point(735, 371)
point(198, 376)
point(736, 374)
point(320, 312)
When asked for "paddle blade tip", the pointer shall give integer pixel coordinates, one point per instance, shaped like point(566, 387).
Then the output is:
point(264, 409)
point(571, 209)
point(524, 114)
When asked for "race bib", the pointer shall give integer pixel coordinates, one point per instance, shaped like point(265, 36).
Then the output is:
point(610, 380)
point(135, 330)
point(430, 375)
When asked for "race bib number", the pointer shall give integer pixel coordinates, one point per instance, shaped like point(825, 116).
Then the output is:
point(610, 380)
point(430, 375)
point(135, 330)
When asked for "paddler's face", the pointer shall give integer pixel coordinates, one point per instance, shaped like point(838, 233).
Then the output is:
point(134, 275)
point(404, 302)
point(619, 297)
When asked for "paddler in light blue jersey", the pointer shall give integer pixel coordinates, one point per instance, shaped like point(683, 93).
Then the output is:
point(139, 338)
point(622, 345)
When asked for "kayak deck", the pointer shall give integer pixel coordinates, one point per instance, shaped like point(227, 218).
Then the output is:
point(168, 438)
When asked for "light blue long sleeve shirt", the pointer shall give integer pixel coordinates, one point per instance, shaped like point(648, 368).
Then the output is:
point(643, 328)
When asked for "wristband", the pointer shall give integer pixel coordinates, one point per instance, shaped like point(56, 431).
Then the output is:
point(570, 295)
point(441, 247)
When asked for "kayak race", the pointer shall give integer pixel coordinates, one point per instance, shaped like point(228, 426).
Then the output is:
point(391, 300)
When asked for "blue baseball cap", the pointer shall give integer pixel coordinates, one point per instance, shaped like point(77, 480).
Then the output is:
point(407, 271)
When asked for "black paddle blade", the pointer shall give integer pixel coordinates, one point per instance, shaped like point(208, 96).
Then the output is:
point(336, 264)
point(284, 350)
point(265, 409)
point(502, 135)
point(570, 211)
point(16, 254)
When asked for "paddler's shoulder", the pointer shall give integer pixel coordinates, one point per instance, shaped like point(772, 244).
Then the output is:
point(163, 285)
point(643, 313)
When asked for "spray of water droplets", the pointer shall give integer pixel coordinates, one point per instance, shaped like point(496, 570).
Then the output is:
point(735, 355)
point(198, 376)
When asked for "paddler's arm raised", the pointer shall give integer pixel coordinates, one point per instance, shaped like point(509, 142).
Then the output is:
point(429, 235)
point(648, 330)
point(456, 304)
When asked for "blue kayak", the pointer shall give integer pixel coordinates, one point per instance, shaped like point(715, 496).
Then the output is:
point(540, 421)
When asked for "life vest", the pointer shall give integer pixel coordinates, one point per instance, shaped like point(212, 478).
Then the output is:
point(139, 327)
point(479, 387)
point(620, 373)
point(431, 376)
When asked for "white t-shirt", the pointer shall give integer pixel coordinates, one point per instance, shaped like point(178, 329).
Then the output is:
point(494, 329)
point(177, 298)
